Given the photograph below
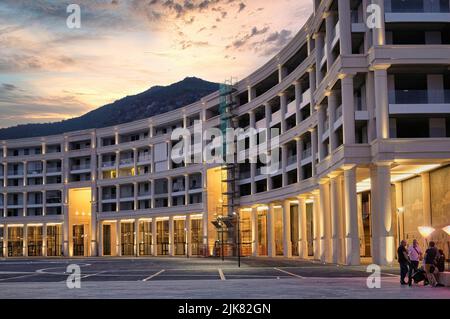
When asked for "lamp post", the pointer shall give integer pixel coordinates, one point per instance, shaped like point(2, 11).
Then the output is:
point(425, 232)
point(238, 238)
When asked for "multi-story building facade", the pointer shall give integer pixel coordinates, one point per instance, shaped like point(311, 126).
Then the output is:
point(364, 121)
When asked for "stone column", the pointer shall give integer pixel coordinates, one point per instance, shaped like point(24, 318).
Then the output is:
point(251, 93)
point(319, 37)
point(169, 155)
point(345, 28)
point(254, 221)
point(169, 191)
point(316, 225)
point(284, 159)
point(335, 219)
point(352, 256)
point(313, 149)
point(382, 234)
point(117, 198)
point(135, 161)
point(320, 131)
point(283, 111)
point(135, 195)
point(25, 202)
point(186, 189)
point(348, 109)
point(302, 229)
point(298, 101)
point(271, 251)
point(287, 242)
point(381, 102)
point(370, 101)
point(325, 222)
point(329, 22)
point(332, 105)
point(299, 146)
point(282, 72)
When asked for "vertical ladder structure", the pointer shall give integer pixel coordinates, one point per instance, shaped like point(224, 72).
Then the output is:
point(229, 200)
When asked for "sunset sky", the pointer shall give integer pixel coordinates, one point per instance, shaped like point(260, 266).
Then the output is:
point(49, 72)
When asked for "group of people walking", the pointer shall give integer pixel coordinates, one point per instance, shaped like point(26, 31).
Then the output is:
point(409, 258)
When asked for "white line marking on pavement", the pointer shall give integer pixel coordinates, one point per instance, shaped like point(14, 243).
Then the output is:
point(222, 276)
point(289, 273)
point(154, 275)
point(17, 277)
point(91, 275)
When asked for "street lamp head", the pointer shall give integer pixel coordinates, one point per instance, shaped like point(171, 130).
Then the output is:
point(425, 231)
point(447, 229)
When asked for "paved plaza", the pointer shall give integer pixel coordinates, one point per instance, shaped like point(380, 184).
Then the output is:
point(201, 278)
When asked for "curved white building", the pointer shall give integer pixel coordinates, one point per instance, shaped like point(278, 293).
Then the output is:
point(364, 120)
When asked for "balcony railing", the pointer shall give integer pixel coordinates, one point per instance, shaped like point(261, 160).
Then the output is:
point(244, 174)
point(144, 158)
point(419, 96)
point(108, 196)
point(15, 173)
point(35, 172)
point(306, 153)
point(108, 164)
point(126, 161)
point(292, 159)
point(53, 169)
point(80, 167)
point(54, 200)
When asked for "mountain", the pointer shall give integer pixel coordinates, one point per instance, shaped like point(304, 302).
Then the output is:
point(156, 100)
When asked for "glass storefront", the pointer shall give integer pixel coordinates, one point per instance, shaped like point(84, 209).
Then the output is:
point(106, 240)
point(15, 241)
point(35, 240)
point(162, 237)
point(78, 240)
point(246, 233)
point(196, 236)
point(262, 233)
point(179, 237)
point(145, 238)
point(54, 243)
point(278, 219)
point(127, 239)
